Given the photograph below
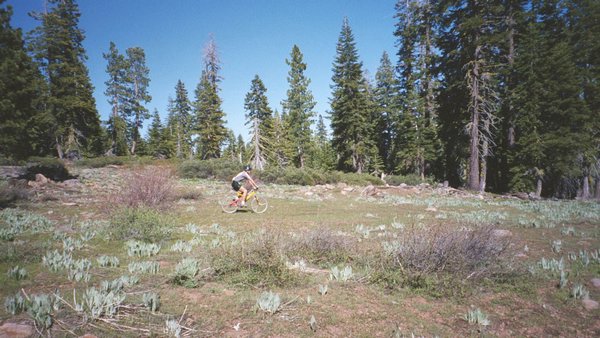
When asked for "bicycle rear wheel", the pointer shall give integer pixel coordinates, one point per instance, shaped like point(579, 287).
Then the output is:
point(228, 204)
point(259, 204)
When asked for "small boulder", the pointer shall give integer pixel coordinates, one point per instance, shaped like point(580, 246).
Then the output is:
point(41, 179)
point(589, 304)
point(596, 282)
point(501, 233)
point(14, 330)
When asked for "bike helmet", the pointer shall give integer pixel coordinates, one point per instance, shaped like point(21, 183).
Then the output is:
point(247, 168)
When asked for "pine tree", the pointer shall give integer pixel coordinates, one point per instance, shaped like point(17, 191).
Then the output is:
point(260, 120)
point(468, 39)
point(58, 46)
point(116, 92)
point(386, 98)
point(352, 138)
point(324, 157)
point(180, 122)
point(298, 107)
point(137, 93)
point(584, 26)
point(155, 135)
point(209, 115)
point(21, 86)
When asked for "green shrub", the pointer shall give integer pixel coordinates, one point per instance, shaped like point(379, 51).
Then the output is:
point(308, 176)
point(52, 168)
point(410, 179)
point(142, 224)
point(223, 169)
point(256, 260)
point(99, 162)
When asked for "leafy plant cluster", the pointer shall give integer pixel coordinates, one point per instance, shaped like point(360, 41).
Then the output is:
point(40, 307)
point(142, 249)
point(15, 221)
point(142, 224)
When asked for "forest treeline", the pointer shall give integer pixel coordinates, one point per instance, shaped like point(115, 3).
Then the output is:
point(489, 95)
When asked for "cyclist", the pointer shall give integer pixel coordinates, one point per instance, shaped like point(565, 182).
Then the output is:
point(237, 183)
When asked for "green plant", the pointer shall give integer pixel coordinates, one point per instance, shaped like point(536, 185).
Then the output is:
point(40, 309)
point(14, 304)
point(98, 303)
point(222, 169)
point(185, 273)
point(181, 246)
point(269, 302)
point(57, 261)
point(70, 244)
point(17, 273)
point(107, 261)
point(323, 289)
point(477, 317)
point(141, 249)
point(51, 168)
point(563, 279)
point(410, 179)
point(151, 300)
point(141, 224)
point(80, 270)
point(144, 267)
point(342, 275)
point(556, 245)
point(579, 292)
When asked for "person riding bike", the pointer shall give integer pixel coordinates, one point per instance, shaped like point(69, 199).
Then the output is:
point(237, 183)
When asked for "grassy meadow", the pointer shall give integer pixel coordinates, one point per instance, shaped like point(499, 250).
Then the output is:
point(136, 251)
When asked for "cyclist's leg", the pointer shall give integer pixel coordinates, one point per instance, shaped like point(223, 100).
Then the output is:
point(244, 193)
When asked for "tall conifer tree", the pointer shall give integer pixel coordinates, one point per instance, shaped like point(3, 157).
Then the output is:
point(350, 115)
point(210, 118)
point(58, 46)
point(260, 120)
point(298, 107)
point(22, 87)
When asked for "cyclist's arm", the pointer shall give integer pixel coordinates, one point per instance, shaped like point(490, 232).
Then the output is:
point(252, 182)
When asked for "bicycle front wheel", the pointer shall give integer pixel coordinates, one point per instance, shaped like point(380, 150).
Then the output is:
point(259, 204)
point(228, 204)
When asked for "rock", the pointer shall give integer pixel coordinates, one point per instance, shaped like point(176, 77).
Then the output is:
point(596, 282)
point(309, 193)
point(41, 179)
point(446, 184)
point(369, 191)
point(348, 189)
point(403, 185)
point(13, 330)
point(88, 335)
point(501, 233)
point(71, 183)
point(589, 304)
point(432, 208)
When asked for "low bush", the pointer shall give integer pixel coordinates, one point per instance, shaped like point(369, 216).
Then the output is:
point(308, 176)
point(411, 179)
point(51, 168)
point(318, 246)
point(150, 187)
point(13, 191)
point(142, 224)
point(425, 258)
point(99, 162)
point(257, 260)
point(222, 169)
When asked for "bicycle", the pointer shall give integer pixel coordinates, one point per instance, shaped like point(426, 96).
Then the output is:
point(231, 205)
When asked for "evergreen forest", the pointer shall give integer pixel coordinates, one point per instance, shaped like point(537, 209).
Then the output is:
point(498, 96)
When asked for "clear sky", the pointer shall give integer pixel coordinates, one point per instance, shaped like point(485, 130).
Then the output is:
point(252, 36)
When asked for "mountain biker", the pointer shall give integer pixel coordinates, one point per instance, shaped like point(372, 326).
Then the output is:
point(237, 183)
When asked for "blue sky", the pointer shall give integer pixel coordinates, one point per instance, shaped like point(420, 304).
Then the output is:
point(252, 36)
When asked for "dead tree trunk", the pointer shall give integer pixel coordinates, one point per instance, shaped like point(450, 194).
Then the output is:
point(585, 190)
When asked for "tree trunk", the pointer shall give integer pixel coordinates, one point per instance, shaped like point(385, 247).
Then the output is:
point(597, 190)
point(538, 187)
point(585, 194)
point(473, 182)
point(511, 62)
point(59, 150)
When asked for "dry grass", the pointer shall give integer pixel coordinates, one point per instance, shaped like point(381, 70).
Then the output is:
point(319, 246)
point(466, 253)
point(13, 191)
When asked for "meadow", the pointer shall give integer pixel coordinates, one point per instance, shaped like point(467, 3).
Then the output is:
point(138, 251)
